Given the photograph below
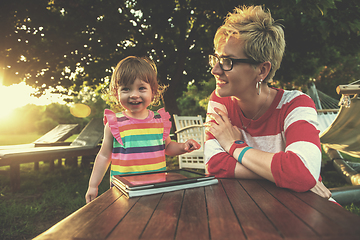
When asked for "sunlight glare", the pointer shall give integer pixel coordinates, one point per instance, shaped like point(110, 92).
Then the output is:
point(80, 110)
point(19, 95)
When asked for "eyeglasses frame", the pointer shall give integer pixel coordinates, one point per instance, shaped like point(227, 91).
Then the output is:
point(234, 60)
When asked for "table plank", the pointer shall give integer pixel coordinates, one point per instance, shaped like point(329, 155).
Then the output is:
point(341, 217)
point(101, 226)
point(135, 221)
point(276, 212)
point(193, 223)
point(313, 218)
point(66, 228)
point(223, 222)
point(253, 221)
point(163, 222)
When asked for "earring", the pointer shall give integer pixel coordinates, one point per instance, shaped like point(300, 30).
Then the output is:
point(258, 86)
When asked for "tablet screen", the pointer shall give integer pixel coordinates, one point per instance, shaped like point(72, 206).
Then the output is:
point(173, 176)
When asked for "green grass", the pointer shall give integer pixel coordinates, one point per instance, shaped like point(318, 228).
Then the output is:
point(14, 139)
point(18, 138)
point(44, 199)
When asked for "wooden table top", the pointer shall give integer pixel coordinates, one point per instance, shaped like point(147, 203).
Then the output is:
point(232, 209)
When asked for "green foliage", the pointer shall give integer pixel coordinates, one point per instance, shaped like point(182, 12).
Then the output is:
point(354, 208)
point(347, 71)
point(44, 125)
point(63, 43)
point(318, 34)
point(94, 97)
point(22, 120)
point(195, 100)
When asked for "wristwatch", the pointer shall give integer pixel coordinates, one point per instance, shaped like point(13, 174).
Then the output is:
point(235, 145)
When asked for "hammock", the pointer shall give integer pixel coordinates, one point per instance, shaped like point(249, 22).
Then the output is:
point(340, 132)
point(343, 134)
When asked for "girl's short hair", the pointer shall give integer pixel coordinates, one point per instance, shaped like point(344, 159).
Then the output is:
point(262, 36)
point(130, 68)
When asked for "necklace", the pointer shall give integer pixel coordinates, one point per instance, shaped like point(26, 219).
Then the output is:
point(245, 127)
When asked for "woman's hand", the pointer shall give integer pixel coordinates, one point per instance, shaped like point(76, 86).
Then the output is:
point(222, 130)
point(321, 190)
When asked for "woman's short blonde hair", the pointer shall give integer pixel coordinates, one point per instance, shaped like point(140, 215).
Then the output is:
point(263, 37)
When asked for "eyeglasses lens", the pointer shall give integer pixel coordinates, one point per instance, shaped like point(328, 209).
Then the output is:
point(225, 63)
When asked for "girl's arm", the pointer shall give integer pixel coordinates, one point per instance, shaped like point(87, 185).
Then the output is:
point(101, 164)
point(174, 148)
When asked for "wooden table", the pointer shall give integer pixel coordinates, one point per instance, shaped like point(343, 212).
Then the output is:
point(232, 209)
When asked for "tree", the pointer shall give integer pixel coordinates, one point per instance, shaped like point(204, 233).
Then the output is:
point(347, 71)
point(68, 43)
point(318, 34)
point(194, 101)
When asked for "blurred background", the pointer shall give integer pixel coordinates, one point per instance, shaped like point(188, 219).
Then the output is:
point(57, 53)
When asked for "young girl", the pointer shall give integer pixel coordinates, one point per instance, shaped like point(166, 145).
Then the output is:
point(137, 139)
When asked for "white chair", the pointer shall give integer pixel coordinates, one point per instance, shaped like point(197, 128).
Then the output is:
point(191, 127)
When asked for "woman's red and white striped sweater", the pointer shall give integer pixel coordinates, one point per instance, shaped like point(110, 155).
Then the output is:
point(289, 129)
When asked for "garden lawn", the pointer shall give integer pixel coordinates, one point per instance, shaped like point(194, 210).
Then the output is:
point(44, 199)
point(11, 139)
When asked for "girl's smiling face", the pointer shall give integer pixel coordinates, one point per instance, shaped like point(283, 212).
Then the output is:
point(135, 98)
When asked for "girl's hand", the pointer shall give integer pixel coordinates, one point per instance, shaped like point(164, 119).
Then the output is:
point(173, 148)
point(191, 145)
point(222, 130)
point(91, 194)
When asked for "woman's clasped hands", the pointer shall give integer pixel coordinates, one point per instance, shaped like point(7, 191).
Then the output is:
point(222, 129)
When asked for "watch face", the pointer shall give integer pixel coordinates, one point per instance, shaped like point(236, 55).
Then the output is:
point(239, 142)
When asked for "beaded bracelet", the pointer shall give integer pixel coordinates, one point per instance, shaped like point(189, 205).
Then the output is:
point(242, 153)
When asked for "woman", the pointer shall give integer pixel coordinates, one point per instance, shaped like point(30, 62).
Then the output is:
point(254, 131)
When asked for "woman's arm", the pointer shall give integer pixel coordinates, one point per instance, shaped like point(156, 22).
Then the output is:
point(221, 164)
point(252, 159)
point(258, 163)
point(287, 169)
point(297, 167)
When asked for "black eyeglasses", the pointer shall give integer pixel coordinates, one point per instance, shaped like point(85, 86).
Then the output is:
point(226, 63)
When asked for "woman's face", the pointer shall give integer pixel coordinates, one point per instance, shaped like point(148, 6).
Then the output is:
point(241, 79)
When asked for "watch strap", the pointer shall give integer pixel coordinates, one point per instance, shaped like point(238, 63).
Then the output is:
point(235, 145)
